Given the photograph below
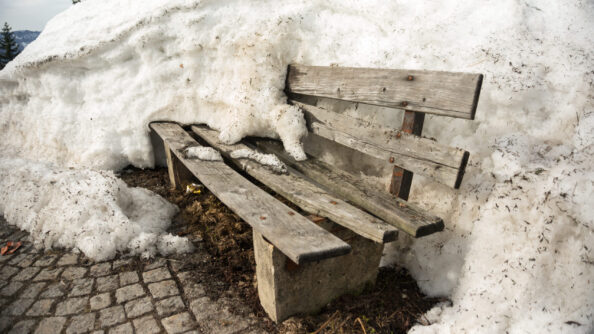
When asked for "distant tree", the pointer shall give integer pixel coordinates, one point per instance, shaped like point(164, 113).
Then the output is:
point(8, 46)
point(74, 2)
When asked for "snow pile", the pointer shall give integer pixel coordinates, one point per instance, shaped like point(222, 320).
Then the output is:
point(90, 211)
point(517, 251)
point(203, 153)
point(269, 160)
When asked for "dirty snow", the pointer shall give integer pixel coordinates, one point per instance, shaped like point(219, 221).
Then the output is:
point(269, 160)
point(203, 153)
point(516, 255)
point(90, 211)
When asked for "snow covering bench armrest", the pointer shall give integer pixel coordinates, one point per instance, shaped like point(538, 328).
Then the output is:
point(297, 237)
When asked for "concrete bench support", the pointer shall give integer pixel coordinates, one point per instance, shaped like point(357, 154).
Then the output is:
point(286, 289)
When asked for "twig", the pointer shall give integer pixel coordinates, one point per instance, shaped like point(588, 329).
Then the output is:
point(325, 323)
point(361, 323)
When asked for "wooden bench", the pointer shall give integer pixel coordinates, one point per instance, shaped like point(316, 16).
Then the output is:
point(302, 265)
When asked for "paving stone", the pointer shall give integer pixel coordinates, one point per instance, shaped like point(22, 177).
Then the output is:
point(101, 269)
point(156, 263)
point(81, 324)
point(204, 309)
point(72, 306)
point(11, 289)
point(51, 325)
point(99, 332)
point(68, 259)
point(121, 262)
point(5, 322)
point(100, 301)
point(41, 307)
point(138, 307)
point(19, 306)
point(107, 283)
point(54, 290)
point(178, 323)
point(71, 273)
point(111, 316)
point(146, 325)
point(191, 289)
point(23, 260)
point(33, 290)
point(26, 274)
point(48, 274)
point(156, 275)
point(129, 292)
point(128, 277)
point(122, 329)
point(7, 272)
point(45, 260)
point(176, 265)
point(23, 327)
point(170, 305)
point(163, 289)
point(81, 287)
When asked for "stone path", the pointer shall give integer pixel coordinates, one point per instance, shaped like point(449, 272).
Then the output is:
point(60, 292)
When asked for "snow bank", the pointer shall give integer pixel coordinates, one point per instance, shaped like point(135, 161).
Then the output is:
point(269, 160)
point(516, 255)
point(90, 211)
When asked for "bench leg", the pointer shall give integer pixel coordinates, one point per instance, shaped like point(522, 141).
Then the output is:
point(179, 175)
point(286, 289)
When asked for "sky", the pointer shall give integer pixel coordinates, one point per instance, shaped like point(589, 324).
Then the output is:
point(30, 14)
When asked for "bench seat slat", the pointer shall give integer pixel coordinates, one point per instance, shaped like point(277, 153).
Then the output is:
point(305, 194)
point(391, 209)
point(297, 237)
point(441, 93)
point(416, 154)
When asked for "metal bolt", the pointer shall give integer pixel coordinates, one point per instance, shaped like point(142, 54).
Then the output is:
point(410, 78)
point(404, 103)
point(391, 159)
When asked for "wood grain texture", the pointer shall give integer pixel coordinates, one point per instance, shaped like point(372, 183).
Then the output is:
point(391, 209)
point(296, 236)
point(440, 93)
point(420, 155)
point(305, 194)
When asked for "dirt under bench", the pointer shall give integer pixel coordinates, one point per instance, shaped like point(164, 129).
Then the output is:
point(394, 304)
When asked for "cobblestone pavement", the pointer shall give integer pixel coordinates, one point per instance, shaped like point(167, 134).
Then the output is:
point(61, 292)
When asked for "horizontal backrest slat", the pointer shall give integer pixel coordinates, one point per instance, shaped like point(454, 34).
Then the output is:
point(416, 154)
point(441, 93)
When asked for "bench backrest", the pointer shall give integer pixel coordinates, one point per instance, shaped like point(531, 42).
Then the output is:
point(417, 92)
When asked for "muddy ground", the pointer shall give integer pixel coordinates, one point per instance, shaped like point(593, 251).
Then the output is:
point(393, 305)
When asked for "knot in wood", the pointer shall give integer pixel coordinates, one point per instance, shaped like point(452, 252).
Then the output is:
point(404, 103)
point(410, 78)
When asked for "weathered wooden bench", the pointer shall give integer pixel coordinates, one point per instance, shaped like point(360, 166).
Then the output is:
point(302, 265)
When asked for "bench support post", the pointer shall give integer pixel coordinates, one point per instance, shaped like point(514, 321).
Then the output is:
point(286, 289)
point(179, 175)
point(402, 179)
